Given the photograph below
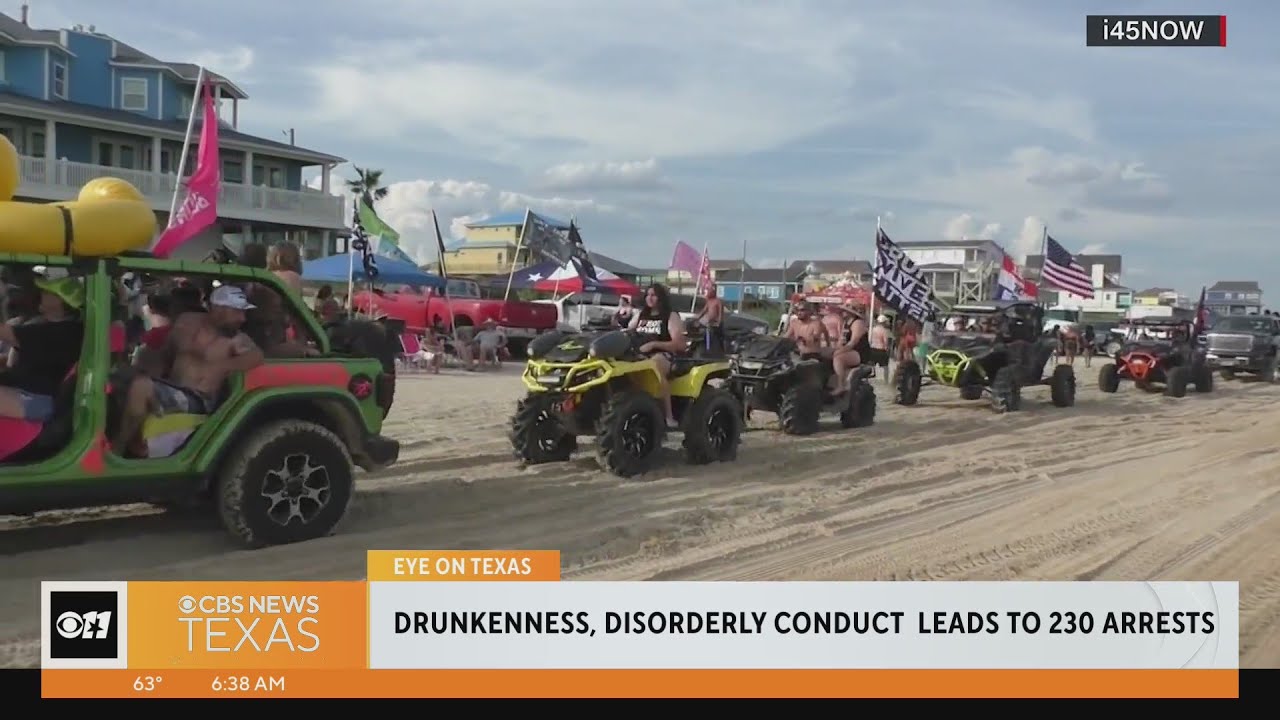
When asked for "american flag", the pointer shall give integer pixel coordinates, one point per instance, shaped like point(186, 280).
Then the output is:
point(1063, 272)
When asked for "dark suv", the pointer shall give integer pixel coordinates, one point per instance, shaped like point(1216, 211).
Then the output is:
point(1243, 343)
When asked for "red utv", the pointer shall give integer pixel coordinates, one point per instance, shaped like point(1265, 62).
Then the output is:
point(1159, 351)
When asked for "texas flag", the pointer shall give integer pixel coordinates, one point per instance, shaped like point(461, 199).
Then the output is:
point(1011, 286)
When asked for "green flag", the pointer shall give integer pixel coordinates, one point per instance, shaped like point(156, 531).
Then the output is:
point(374, 225)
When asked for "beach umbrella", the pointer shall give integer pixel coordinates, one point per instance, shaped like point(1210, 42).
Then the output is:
point(340, 269)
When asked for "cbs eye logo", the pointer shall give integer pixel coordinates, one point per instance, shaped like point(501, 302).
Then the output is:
point(85, 624)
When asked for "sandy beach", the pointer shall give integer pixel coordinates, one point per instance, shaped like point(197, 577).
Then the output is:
point(1134, 486)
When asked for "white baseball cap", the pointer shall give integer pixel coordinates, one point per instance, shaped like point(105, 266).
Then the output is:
point(883, 319)
point(230, 296)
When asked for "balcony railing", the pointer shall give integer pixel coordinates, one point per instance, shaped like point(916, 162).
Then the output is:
point(62, 180)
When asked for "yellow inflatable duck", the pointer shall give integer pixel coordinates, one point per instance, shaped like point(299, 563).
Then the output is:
point(109, 217)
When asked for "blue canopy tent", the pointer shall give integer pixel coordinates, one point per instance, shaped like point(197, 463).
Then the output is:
point(340, 269)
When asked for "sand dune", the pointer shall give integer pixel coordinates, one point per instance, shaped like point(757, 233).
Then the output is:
point(1125, 487)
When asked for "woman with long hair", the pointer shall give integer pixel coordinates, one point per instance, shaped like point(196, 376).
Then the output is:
point(663, 330)
point(285, 261)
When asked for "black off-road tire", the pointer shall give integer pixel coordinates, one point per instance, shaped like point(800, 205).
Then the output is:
point(1062, 386)
point(701, 446)
point(1006, 391)
point(800, 408)
point(908, 378)
point(1176, 382)
point(862, 409)
point(971, 392)
point(1109, 378)
point(624, 408)
point(279, 455)
point(1268, 374)
point(1202, 378)
point(537, 435)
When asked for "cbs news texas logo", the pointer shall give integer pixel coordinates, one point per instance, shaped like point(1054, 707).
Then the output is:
point(83, 625)
point(250, 623)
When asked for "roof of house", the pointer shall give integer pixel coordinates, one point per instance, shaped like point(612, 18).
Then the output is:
point(1109, 284)
point(728, 264)
point(753, 275)
point(73, 110)
point(917, 244)
point(515, 218)
point(829, 267)
point(125, 54)
point(1237, 286)
point(1153, 291)
point(1111, 264)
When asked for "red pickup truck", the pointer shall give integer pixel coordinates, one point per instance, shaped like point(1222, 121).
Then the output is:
point(520, 321)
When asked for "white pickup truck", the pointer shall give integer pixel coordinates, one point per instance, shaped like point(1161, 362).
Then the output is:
point(577, 311)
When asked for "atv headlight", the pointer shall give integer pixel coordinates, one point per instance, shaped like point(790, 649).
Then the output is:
point(750, 365)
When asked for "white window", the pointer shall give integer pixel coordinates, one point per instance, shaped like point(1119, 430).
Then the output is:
point(60, 80)
point(2, 75)
point(114, 153)
point(133, 94)
point(184, 106)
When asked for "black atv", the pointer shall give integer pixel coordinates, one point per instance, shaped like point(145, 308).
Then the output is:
point(768, 373)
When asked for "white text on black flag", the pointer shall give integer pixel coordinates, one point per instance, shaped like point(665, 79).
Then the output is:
point(899, 283)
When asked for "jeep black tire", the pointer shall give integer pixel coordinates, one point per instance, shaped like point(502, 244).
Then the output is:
point(907, 383)
point(1202, 377)
point(712, 427)
point(536, 435)
point(288, 481)
point(861, 411)
point(1006, 392)
point(1268, 374)
point(971, 392)
point(1062, 386)
point(630, 432)
point(1176, 383)
point(800, 408)
point(1109, 378)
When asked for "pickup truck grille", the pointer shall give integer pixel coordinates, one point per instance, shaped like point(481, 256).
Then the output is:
point(1230, 343)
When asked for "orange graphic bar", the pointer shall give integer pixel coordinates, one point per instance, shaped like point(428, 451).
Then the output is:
point(463, 565)
point(641, 683)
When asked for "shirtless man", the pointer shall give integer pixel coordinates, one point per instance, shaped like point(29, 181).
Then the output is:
point(712, 318)
point(807, 331)
point(206, 348)
point(879, 339)
point(833, 321)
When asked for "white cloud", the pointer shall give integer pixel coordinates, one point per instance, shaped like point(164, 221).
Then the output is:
point(1062, 114)
point(708, 83)
point(1030, 240)
point(967, 227)
point(629, 175)
point(228, 62)
point(1093, 249)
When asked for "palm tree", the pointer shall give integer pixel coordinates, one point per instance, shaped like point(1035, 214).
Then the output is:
point(367, 185)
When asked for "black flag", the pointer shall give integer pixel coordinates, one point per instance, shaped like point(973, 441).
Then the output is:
point(900, 284)
point(579, 253)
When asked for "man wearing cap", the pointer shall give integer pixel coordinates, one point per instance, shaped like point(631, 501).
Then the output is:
point(206, 348)
point(47, 349)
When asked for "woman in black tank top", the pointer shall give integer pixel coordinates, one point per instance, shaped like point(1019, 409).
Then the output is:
point(662, 330)
point(854, 347)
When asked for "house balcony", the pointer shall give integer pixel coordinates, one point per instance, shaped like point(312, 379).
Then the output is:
point(62, 180)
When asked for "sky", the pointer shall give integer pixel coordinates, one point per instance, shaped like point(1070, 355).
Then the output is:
point(790, 125)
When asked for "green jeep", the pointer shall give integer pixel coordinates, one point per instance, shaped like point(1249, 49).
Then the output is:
point(276, 457)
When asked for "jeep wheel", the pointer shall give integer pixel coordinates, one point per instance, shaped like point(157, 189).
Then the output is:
point(907, 385)
point(712, 428)
point(537, 436)
point(1176, 382)
point(290, 481)
point(1202, 377)
point(1109, 378)
point(971, 392)
point(862, 407)
point(1268, 374)
point(800, 408)
point(1062, 386)
point(1006, 393)
point(631, 430)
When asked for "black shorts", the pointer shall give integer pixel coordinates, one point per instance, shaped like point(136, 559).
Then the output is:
point(876, 357)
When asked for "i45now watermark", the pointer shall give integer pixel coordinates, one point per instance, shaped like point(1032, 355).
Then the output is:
point(1156, 30)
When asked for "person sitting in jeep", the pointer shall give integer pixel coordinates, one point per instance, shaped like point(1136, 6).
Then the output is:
point(207, 347)
point(807, 331)
point(46, 350)
point(662, 328)
point(853, 348)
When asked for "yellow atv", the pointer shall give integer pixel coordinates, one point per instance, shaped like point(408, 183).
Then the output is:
point(599, 384)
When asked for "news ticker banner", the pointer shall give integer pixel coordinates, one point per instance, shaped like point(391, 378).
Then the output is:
point(500, 624)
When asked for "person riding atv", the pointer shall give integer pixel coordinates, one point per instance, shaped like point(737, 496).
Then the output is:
point(993, 348)
point(1159, 350)
point(628, 388)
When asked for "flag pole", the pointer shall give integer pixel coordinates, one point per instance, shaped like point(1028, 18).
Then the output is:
point(697, 287)
point(524, 228)
point(351, 268)
point(444, 273)
point(555, 292)
point(197, 105)
point(872, 314)
point(1044, 257)
point(742, 276)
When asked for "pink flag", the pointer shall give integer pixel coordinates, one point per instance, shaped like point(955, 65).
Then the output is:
point(686, 258)
point(704, 271)
point(200, 208)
